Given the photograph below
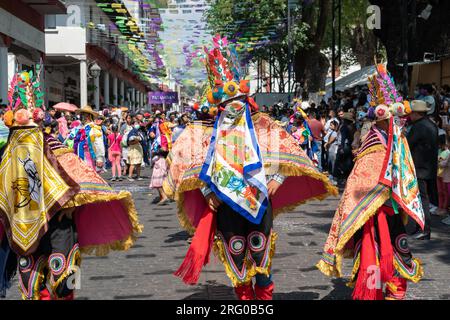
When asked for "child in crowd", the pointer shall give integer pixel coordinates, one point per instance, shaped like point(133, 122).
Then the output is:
point(331, 145)
point(443, 180)
point(114, 152)
point(159, 174)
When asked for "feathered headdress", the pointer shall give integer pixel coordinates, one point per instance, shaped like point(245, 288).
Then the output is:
point(25, 98)
point(224, 72)
point(382, 88)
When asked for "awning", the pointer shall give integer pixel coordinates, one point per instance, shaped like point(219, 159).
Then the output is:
point(357, 78)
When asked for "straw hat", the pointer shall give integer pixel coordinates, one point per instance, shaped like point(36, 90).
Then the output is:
point(419, 106)
point(88, 109)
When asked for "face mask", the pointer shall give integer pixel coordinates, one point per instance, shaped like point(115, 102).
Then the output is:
point(137, 127)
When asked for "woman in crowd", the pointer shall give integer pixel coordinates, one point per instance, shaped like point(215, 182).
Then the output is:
point(125, 129)
point(135, 151)
point(115, 152)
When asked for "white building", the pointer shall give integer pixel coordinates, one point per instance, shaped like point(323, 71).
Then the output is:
point(22, 38)
point(79, 41)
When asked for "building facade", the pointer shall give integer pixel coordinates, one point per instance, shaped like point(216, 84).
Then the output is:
point(82, 39)
point(22, 36)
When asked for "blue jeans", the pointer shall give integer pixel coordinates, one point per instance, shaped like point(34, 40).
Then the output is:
point(319, 155)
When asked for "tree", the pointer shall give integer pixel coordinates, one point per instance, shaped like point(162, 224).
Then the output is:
point(260, 28)
point(359, 43)
point(311, 65)
point(424, 35)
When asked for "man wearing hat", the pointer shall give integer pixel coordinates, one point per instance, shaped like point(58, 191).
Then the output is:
point(423, 142)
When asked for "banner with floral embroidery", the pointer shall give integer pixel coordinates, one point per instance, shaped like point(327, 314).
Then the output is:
point(233, 168)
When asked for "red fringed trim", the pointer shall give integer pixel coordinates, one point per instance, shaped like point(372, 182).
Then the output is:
point(387, 253)
point(368, 285)
point(363, 287)
point(199, 250)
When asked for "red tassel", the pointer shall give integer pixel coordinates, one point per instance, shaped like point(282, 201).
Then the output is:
point(366, 284)
point(199, 250)
point(387, 253)
point(362, 291)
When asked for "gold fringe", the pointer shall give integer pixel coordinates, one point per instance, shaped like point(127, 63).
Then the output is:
point(62, 151)
point(252, 270)
point(190, 184)
point(362, 220)
point(170, 193)
point(127, 201)
point(287, 170)
point(391, 286)
point(327, 269)
point(290, 170)
point(351, 283)
point(370, 150)
point(417, 277)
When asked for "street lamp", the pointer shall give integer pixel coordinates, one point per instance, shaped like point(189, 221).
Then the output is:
point(95, 70)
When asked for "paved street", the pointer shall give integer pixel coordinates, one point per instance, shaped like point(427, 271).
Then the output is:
point(145, 272)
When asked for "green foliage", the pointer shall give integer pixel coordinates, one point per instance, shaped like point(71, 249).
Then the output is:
point(353, 20)
point(260, 26)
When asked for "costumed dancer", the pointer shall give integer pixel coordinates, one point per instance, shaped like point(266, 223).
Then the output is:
point(380, 194)
point(53, 206)
point(161, 146)
point(233, 176)
point(299, 128)
point(88, 143)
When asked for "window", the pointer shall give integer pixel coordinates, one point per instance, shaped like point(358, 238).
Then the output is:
point(50, 21)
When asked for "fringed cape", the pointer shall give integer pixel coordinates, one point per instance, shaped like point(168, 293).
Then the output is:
point(367, 190)
point(280, 152)
point(49, 177)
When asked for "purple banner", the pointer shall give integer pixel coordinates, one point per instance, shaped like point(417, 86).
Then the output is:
point(162, 97)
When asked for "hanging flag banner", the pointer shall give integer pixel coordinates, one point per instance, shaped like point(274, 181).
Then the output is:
point(160, 97)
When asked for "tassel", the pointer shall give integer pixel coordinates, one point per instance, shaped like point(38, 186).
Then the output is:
point(387, 253)
point(199, 250)
point(365, 288)
point(362, 290)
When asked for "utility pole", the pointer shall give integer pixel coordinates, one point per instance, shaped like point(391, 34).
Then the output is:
point(333, 47)
point(289, 49)
point(292, 4)
point(405, 46)
point(336, 6)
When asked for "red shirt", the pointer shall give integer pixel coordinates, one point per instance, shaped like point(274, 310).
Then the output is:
point(316, 128)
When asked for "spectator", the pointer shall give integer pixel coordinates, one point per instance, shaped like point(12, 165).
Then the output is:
point(331, 146)
point(318, 132)
point(135, 151)
point(443, 177)
point(115, 141)
point(426, 94)
point(423, 142)
point(344, 162)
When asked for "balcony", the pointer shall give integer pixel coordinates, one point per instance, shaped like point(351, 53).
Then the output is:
point(47, 6)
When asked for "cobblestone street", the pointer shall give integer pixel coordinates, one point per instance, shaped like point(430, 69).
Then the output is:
point(145, 271)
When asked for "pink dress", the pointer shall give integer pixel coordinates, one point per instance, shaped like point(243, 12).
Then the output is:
point(159, 173)
point(115, 148)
